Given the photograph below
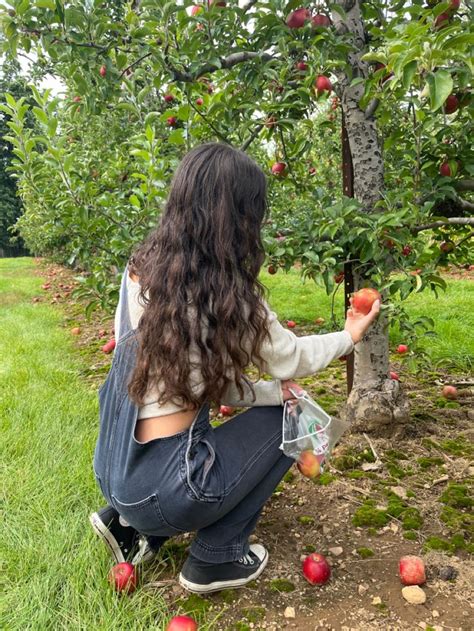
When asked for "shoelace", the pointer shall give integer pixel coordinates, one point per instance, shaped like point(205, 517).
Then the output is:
point(247, 559)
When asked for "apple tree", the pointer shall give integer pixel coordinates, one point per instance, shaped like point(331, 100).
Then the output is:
point(380, 89)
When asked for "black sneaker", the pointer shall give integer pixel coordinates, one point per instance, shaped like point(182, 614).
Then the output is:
point(201, 577)
point(124, 542)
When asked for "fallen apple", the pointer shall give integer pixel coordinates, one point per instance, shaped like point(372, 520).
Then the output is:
point(291, 324)
point(363, 299)
point(123, 577)
point(402, 349)
point(109, 346)
point(394, 376)
point(272, 269)
point(308, 464)
point(226, 410)
point(76, 330)
point(450, 392)
point(316, 569)
point(319, 321)
point(182, 623)
point(412, 570)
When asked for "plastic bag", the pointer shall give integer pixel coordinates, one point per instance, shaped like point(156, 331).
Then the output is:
point(306, 426)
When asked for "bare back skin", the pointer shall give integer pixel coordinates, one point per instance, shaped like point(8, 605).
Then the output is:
point(147, 429)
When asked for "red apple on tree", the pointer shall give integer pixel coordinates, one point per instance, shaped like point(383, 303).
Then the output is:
point(316, 569)
point(103, 71)
point(442, 20)
point(169, 98)
point(320, 20)
point(363, 299)
point(454, 6)
point(322, 85)
point(338, 277)
point(451, 104)
point(77, 99)
point(447, 246)
point(412, 570)
point(450, 392)
point(297, 18)
point(308, 464)
point(406, 251)
point(445, 169)
point(123, 577)
point(301, 66)
point(182, 623)
point(171, 121)
point(279, 168)
point(272, 269)
point(199, 102)
point(196, 9)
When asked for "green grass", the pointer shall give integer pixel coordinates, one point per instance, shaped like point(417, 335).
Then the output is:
point(54, 568)
point(452, 311)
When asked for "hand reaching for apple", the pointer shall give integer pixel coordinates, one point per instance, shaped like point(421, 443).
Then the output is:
point(358, 322)
point(285, 388)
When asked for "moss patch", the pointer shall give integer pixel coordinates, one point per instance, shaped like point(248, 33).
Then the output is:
point(457, 496)
point(254, 614)
point(194, 604)
point(369, 515)
point(306, 520)
point(459, 446)
point(282, 585)
point(426, 462)
point(324, 479)
point(365, 553)
point(289, 477)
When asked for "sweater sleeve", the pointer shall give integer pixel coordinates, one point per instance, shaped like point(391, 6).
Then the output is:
point(266, 393)
point(287, 356)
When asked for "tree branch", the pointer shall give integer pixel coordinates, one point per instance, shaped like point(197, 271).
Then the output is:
point(251, 138)
point(216, 131)
point(466, 238)
point(464, 185)
point(464, 204)
point(371, 108)
point(452, 221)
point(137, 61)
point(249, 5)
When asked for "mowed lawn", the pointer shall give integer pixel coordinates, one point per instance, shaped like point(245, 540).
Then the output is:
point(54, 568)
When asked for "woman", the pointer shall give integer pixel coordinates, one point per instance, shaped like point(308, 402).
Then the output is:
point(191, 318)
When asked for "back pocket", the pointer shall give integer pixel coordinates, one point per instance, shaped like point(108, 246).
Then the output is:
point(146, 516)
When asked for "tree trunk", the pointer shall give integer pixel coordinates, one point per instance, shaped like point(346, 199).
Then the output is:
point(376, 403)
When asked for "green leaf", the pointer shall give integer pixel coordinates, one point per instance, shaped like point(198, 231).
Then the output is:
point(408, 72)
point(46, 4)
point(441, 85)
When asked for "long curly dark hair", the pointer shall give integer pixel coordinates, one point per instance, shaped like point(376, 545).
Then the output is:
point(198, 273)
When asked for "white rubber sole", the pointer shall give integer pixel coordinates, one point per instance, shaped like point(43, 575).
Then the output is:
point(218, 585)
point(104, 533)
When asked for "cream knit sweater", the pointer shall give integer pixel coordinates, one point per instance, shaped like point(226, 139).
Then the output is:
point(285, 356)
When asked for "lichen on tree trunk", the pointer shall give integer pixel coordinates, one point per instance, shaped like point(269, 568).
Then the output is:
point(376, 403)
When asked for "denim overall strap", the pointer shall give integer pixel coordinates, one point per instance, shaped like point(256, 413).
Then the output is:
point(124, 318)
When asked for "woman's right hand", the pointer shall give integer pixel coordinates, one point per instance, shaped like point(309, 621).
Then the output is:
point(357, 323)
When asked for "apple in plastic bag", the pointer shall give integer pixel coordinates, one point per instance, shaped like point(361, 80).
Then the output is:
point(308, 464)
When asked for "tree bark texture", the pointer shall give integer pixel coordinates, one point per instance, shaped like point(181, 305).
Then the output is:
point(376, 403)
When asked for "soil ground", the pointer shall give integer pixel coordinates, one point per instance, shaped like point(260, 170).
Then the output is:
point(378, 500)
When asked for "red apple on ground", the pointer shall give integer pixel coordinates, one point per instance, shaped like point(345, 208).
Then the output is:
point(297, 18)
point(308, 464)
point(450, 392)
point(171, 121)
point(316, 569)
point(406, 251)
point(226, 410)
point(279, 168)
point(169, 98)
point(394, 376)
point(402, 349)
point(45, 286)
point(199, 102)
point(445, 169)
point(272, 269)
point(102, 333)
point(109, 346)
point(319, 20)
point(76, 330)
point(291, 324)
point(182, 623)
point(322, 85)
point(412, 570)
point(311, 170)
point(123, 577)
point(363, 299)
point(451, 104)
point(320, 321)
point(103, 71)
